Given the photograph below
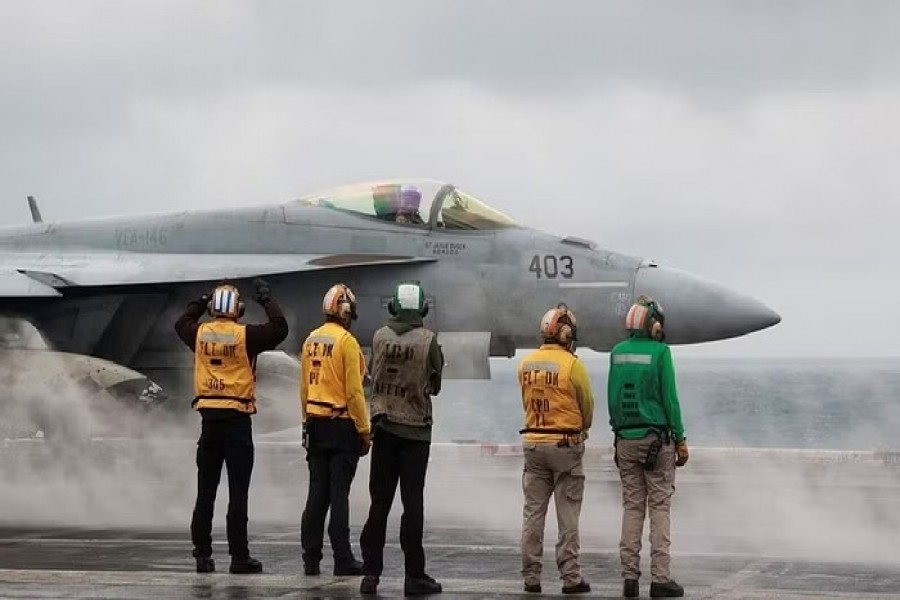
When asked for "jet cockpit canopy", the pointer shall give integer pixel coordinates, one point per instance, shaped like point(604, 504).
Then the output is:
point(424, 203)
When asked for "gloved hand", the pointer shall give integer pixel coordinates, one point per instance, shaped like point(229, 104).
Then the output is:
point(263, 292)
point(365, 442)
point(204, 299)
point(681, 450)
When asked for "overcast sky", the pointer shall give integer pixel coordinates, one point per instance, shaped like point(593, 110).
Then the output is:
point(756, 144)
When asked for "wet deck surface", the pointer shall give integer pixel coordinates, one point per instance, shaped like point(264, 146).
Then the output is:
point(85, 563)
point(746, 525)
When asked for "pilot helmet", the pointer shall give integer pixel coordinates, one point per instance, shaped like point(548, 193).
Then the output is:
point(558, 326)
point(386, 199)
point(410, 199)
point(339, 302)
point(409, 295)
point(225, 302)
point(646, 315)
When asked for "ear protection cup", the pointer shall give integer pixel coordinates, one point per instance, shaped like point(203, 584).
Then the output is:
point(424, 311)
point(241, 309)
point(657, 321)
point(391, 308)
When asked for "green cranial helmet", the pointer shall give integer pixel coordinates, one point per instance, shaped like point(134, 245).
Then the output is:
point(408, 296)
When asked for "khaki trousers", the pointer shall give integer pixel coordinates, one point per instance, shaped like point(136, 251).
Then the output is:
point(551, 470)
point(642, 489)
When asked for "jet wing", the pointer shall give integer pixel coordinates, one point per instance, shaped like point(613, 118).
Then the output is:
point(18, 285)
point(46, 274)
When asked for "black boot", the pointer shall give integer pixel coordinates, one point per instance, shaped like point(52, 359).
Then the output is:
point(421, 586)
point(245, 566)
point(582, 587)
point(669, 589)
point(311, 568)
point(630, 589)
point(369, 585)
point(205, 564)
point(354, 567)
point(533, 588)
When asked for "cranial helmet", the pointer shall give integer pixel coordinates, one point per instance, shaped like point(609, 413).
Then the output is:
point(646, 315)
point(340, 302)
point(558, 326)
point(408, 296)
point(225, 302)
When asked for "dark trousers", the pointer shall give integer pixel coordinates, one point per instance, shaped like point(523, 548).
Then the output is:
point(332, 454)
point(396, 459)
point(230, 441)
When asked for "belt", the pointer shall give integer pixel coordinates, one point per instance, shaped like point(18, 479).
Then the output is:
point(328, 405)
point(230, 398)
point(561, 431)
point(566, 433)
point(655, 426)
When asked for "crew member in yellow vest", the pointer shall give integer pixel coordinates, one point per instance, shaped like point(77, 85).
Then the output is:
point(335, 430)
point(559, 408)
point(224, 393)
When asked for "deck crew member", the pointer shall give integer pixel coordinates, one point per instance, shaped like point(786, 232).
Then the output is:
point(559, 408)
point(407, 364)
point(336, 430)
point(224, 393)
point(645, 416)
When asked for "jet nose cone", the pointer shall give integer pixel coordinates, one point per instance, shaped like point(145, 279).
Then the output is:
point(698, 310)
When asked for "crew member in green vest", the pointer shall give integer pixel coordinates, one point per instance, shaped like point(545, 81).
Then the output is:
point(646, 419)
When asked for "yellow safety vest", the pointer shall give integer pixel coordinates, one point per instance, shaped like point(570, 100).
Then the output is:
point(548, 396)
point(223, 375)
point(322, 367)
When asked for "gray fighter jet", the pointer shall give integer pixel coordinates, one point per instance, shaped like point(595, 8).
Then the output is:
point(112, 287)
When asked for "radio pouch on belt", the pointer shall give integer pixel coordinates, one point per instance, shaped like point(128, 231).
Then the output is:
point(653, 453)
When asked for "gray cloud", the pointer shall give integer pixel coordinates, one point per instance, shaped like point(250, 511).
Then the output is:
point(545, 48)
point(753, 144)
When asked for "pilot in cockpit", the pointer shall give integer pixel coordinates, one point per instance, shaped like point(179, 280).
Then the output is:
point(410, 199)
point(397, 204)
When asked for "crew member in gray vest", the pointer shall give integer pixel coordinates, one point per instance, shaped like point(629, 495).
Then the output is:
point(406, 371)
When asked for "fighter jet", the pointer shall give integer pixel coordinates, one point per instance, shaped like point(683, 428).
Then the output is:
point(112, 287)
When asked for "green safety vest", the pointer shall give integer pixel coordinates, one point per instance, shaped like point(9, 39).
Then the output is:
point(637, 392)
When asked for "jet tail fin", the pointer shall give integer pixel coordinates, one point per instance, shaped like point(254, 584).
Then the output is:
point(35, 211)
